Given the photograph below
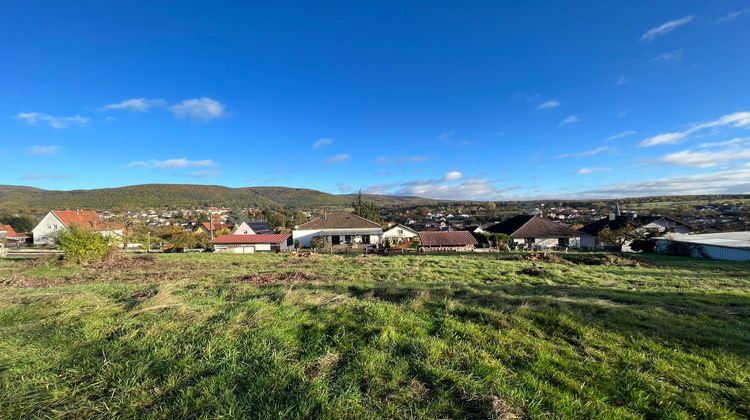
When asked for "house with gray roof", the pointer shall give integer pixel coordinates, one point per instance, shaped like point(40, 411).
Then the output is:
point(534, 232)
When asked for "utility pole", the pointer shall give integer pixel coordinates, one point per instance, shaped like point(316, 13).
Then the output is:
point(211, 221)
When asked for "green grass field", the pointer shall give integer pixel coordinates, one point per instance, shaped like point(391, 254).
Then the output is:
point(363, 337)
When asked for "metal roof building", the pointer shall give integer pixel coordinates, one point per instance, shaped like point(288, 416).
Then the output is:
point(729, 246)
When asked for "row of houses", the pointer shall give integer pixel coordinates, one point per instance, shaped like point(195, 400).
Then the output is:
point(346, 229)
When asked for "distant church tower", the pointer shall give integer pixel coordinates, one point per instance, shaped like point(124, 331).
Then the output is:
point(617, 208)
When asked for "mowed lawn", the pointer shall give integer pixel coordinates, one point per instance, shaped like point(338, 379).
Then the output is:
point(423, 336)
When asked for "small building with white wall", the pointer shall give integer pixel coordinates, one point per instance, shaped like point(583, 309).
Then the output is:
point(399, 233)
point(337, 228)
point(250, 244)
point(728, 246)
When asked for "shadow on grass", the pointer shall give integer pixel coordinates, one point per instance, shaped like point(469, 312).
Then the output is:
point(715, 320)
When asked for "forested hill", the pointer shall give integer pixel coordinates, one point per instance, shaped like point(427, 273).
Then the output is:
point(174, 196)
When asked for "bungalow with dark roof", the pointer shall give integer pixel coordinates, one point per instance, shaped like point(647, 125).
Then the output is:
point(534, 232)
point(339, 227)
point(455, 241)
point(250, 244)
point(56, 221)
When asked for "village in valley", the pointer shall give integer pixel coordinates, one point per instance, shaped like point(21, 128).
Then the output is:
point(469, 227)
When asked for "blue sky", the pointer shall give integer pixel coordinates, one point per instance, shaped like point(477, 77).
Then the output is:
point(477, 100)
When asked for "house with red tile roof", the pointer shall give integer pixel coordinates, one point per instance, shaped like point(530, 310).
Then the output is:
point(217, 227)
point(7, 232)
point(249, 244)
point(455, 241)
point(56, 221)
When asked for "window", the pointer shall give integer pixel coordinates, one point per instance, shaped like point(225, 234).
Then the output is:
point(335, 240)
point(563, 241)
point(529, 240)
point(365, 239)
point(400, 232)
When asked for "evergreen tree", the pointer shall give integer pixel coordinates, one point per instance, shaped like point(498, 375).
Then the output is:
point(366, 209)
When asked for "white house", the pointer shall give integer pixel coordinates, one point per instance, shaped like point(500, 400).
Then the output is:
point(399, 233)
point(249, 244)
point(252, 228)
point(337, 228)
point(56, 221)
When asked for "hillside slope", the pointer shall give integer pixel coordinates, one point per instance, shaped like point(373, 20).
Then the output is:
point(19, 198)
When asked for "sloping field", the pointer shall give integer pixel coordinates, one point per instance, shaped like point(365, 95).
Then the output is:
point(363, 337)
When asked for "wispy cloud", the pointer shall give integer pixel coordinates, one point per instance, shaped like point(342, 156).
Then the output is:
point(176, 163)
point(621, 81)
point(552, 103)
point(737, 120)
point(587, 171)
point(704, 159)
point(621, 135)
point(343, 157)
point(586, 153)
point(732, 142)
point(571, 119)
point(440, 188)
point(206, 173)
point(202, 109)
point(322, 142)
point(665, 28)
point(37, 177)
point(135, 104)
point(401, 159)
point(34, 118)
point(43, 150)
point(734, 181)
point(731, 16)
point(675, 55)
point(445, 136)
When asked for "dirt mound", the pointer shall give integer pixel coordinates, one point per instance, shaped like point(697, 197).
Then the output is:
point(265, 279)
point(604, 259)
point(533, 271)
point(544, 257)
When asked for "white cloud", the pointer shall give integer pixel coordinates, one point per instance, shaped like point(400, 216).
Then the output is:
point(621, 81)
point(571, 119)
point(401, 159)
point(453, 176)
point(704, 159)
point(203, 109)
point(206, 173)
point(175, 163)
point(621, 135)
point(734, 181)
point(34, 118)
point(466, 189)
point(322, 142)
point(343, 157)
point(731, 16)
point(135, 104)
point(664, 28)
point(675, 55)
point(553, 103)
point(43, 150)
point(586, 171)
point(735, 120)
point(666, 138)
point(586, 153)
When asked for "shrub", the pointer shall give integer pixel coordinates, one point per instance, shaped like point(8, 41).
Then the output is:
point(318, 243)
point(82, 245)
